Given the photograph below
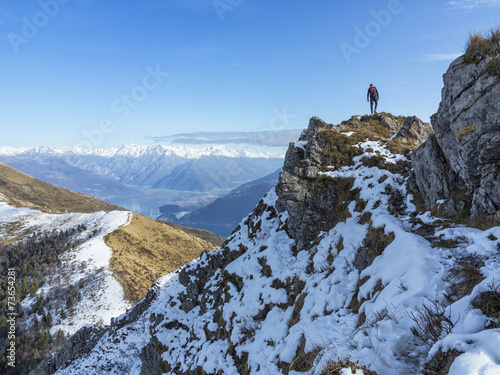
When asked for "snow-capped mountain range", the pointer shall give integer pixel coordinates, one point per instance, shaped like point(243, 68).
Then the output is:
point(169, 167)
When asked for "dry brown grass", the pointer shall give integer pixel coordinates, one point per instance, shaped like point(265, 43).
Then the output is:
point(303, 361)
point(489, 304)
point(430, 322)
point(493, 67)
point(480, 46)
point(146, 249)
point(441, 362)
point(465, 278)
point(206, 235)
point(21, 190)
point(335, 367)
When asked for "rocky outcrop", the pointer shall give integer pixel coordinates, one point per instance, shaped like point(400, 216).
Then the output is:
point(414, 131)
point(464, 156)
point(315, 204)
point(300, 192)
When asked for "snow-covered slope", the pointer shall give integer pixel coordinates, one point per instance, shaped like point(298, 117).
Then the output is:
point(379, 282)
point(102, 297)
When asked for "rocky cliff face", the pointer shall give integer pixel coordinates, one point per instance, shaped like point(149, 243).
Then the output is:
point(461, 164)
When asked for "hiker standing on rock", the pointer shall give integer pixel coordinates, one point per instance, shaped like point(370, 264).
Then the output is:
point(372, 96)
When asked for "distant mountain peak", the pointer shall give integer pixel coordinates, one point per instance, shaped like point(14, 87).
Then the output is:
point(134, 150)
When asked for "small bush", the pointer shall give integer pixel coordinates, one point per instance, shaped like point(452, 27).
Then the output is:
point(480, 46)
point(477, 47)
point(430, 322)
point(494, 41)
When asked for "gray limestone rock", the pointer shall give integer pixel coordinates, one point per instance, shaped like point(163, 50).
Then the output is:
point(467, 129)
point(389, 123)
point(414, 131)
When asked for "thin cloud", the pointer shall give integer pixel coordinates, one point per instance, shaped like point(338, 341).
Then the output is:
point(473, 4)
point(267, 138)
point(441, 56)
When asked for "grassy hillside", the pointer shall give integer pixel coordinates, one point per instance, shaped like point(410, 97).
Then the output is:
point(146, 249)
point(206, 235)
point(20, 190)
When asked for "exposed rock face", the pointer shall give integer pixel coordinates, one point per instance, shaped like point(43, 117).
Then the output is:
point(414, 131)
point(435, 179)
point(313, 205)
point(468, 135)
point(305, 203)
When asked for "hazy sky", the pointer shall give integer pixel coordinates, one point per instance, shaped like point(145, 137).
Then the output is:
point(100, 73)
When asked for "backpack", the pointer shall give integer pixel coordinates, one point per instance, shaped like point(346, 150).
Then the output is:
point(373, 92)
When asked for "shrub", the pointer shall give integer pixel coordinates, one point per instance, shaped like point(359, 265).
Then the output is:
point(477, 48)
point(480, 46)
point(430, 322)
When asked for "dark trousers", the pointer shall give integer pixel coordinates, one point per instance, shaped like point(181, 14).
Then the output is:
point(373, 100)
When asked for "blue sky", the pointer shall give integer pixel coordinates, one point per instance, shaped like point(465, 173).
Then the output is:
point(101, 73)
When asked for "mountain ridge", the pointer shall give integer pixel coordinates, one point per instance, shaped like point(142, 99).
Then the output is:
point(224, 214)
point(20, 189)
